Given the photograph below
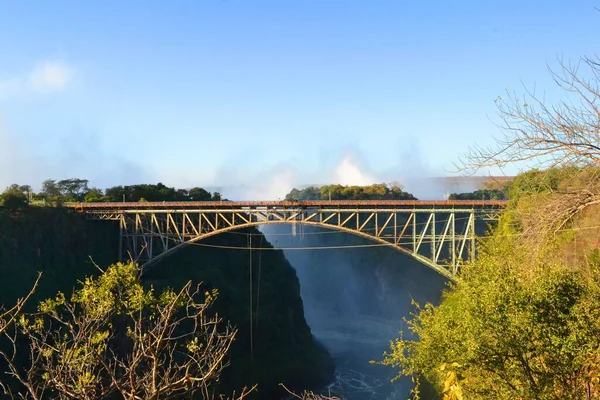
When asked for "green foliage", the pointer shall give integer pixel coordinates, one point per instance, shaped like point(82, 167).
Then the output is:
point(537, 181)
point(339, 192)
point(50, 190)
point(60, 244)
point(481, 194)
point(284, 349)
point(527, 332)
point(199, 194)
point(14, 197)
point(158, 192)
point(93, 195)
point(114, 338)
point(524, 320)
point(73, 189)
point(77, 190)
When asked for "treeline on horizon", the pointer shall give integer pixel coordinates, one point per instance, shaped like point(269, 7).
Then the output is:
point(78, 190)
point(55, 192)
point(481, 194)
point(393, 191)
point(377, 191)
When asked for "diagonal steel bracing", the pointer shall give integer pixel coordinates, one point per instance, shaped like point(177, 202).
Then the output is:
point(440, 237)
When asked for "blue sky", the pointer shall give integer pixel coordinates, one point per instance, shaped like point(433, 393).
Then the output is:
point(267, 94)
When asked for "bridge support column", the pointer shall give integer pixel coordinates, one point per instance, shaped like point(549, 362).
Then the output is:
point(472, 230)
point(121, 225)
point(433, 238)
point(453, 235)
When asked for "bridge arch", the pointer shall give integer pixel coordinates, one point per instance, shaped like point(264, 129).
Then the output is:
point(446, 272)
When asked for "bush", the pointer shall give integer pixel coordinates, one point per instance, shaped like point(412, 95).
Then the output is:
point(14, 199)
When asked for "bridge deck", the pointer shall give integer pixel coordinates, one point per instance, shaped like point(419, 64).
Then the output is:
point(308, 203)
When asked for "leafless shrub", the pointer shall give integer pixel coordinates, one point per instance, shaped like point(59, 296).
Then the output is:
point(563, 136)
point(116, 339)
point(551, 136)
point(8, 318)
point(307, 395)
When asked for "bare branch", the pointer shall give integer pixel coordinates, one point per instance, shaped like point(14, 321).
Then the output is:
point(565, 134)
point(113, 337)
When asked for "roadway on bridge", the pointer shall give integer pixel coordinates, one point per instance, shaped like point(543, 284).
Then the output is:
point(290, 204)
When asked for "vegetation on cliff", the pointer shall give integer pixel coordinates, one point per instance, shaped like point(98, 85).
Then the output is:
point(481, 194)
point(524, 319)
point(76, 190)
point(340, 192)
point(60, 243)
point(115, 339)
point(274, 344)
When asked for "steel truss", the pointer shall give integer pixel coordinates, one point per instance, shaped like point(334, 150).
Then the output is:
point(441, 238)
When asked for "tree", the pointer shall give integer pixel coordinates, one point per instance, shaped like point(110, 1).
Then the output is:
point(73, 189)
point(509, 332)
point(181, 195)
point(524, 319)
point(21, 188)
point(198, 194)
point(50, 190)
point(481, 194)
point(8, 320)
point(563, 137)
point(13, 198)
point(93, 195)
point(9, 316)
point(378, 191)
point(116, 339)
point(553, 136)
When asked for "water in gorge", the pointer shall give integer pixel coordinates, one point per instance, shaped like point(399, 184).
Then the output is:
point(354, 301)
point(353, 341)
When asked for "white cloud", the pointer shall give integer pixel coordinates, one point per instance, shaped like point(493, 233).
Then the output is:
point(46, 77)
point(50, 76)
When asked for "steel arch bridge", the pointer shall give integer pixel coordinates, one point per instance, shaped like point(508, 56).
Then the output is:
point(440, 234)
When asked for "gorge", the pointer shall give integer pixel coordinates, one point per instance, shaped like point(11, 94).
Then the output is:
point(311, 319)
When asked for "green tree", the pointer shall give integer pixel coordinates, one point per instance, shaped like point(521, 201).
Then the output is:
point(523, 321)
point(198, 194)
point(481, 194)
point(73, 189)
point(513, 333)
point(93, 195)
point(378, 191)
point(13, 198)
point(559, 138)
point(50, 191)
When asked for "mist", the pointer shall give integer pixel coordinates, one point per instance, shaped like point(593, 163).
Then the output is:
point(355, 300)
point(86, 156)
point(81, 156)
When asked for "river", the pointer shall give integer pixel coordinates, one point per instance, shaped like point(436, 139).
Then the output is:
point(355, 300)
point(353, 343)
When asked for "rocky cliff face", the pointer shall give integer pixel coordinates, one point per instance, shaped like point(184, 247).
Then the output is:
point(277, 347)
point(376, 281)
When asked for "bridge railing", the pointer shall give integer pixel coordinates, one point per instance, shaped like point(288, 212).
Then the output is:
point(289, 204)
